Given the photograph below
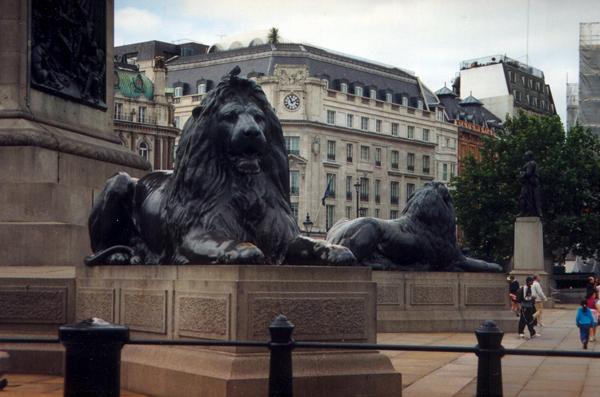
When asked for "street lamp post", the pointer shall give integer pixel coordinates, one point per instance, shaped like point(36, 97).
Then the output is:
point(357, 185)
point(308, 225)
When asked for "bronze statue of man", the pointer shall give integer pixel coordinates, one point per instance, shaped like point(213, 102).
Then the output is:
point(530, 192)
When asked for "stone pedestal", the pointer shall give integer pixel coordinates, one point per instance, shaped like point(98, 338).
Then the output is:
point(529, 253)
point(57, 149)
point(442, 302)
point(239, 303)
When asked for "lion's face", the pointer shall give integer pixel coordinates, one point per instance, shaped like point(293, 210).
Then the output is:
point(242, 127)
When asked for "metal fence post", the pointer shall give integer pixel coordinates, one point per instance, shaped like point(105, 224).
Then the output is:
point(281, 345)
point(93, 357)
point(490, 353)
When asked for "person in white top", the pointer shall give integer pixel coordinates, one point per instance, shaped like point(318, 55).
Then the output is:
point(540, 298)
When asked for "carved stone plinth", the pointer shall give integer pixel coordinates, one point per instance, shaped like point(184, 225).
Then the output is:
point(239, 303)
point(441, 302)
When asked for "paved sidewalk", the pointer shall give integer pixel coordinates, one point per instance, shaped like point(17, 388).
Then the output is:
point(454, 374)
point(448, 374)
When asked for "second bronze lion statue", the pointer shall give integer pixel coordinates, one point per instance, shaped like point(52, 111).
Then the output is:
point(226, 201)
point(422, 239)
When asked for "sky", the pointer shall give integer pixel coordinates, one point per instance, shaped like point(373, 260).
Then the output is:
point(428, 37)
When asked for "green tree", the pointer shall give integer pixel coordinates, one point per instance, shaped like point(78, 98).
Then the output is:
point(273, 36)
point(487, 192)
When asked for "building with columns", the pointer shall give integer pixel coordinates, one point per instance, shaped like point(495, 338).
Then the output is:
point(346, 122)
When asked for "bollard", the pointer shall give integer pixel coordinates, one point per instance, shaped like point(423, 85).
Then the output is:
point(93, 358)
point(490, 353)
point(281, 345)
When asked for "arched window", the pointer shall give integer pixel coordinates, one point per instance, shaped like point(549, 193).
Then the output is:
point(143, 150)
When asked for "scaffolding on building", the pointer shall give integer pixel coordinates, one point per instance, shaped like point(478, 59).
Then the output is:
point(589, 76)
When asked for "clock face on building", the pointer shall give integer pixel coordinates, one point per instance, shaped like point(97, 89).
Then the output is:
point(291, 102)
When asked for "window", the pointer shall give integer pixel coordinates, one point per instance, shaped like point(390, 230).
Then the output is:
point(330, 117)
point(517, 95)
point(378, 157)
point(410, 132)
point(410, 161)
point(395, 158)
point(440, 115)
point(364, 123)
point(426, 164)
point(143, 150)
point(377, 191)
point(295, 211)
point(425, 134)
point(535, 102)
point(292, 144)
point(344, 88)
point(452, 169)
point(178, 91)
point(393, 214)
point(201, 89)
point(348, 212)
point(350, 120)
point(444, 172)
point(538, 86)
point(394, 192)
point(364, 189)
point(410, 189)
point(349, 152)
point(530, 83)
point(376, 212)
point(364, 153)
point(132, 60)
point(420, 105)
point(118, 111)
point(378, 126)
point(404, 101)
point(330, 150)
point(348, 188)
point(330, 177)
point(177, 122)
point(363, 212)
point(294, 183)
point(395, 129)
point(524, 80)
point(512, 76)
point(358, 91)
point(142, 115)
point(329, 210)
point(388, 98)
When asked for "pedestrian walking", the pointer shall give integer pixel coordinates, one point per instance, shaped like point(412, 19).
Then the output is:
point(584, 321)
point(525, 298)
point(512, 294)
point(540, 298)
point(592, 304)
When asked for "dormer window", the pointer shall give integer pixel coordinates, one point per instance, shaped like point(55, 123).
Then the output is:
point(344, 88)
point(178, 91)
point(201, 89)
point(420, 105)
point(358, 91)
point(404, 101)
point(388, 98)
point(373, 94)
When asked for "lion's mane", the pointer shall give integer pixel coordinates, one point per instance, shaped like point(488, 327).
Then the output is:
point(204, 186)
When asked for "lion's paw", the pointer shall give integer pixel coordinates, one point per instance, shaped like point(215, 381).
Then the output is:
point(340, 256)
point(243, 254)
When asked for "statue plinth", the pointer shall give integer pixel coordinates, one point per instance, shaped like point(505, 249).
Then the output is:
point(529, 245)
point(239, 302)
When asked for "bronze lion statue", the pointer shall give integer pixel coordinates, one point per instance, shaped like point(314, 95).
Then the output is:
point(226, 201)
point(422, 239)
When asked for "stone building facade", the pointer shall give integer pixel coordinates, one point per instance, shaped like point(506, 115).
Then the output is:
point(144, 113)
point(505, 85)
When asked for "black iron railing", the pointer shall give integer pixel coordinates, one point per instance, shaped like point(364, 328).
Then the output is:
point(93, 354)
